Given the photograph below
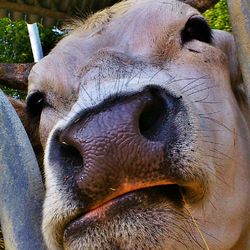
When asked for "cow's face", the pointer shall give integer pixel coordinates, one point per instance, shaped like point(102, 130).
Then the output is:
point(146, 142)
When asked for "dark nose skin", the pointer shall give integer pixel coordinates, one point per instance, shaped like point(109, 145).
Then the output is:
point(122, 146)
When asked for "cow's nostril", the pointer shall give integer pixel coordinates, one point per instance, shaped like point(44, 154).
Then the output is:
point(70, 158)
point(152, 118)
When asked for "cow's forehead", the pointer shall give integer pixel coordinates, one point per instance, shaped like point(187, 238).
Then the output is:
point(131, 27)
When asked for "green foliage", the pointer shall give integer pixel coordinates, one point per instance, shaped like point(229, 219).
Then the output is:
point(14, 41)
point(15, 45)
point(218, 17)
point(17, 94)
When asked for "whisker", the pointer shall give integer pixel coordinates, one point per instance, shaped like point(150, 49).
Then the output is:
point(195, 222)
point(201, 90)
point(194, 87)
point(193, 81)
point(84, 89)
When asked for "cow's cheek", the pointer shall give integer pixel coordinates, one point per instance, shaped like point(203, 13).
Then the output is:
point(49, 118)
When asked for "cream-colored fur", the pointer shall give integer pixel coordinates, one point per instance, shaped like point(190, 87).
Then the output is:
point(123, 49)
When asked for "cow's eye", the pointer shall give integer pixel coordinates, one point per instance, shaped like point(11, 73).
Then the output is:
point(35, 103)
point(196, 28)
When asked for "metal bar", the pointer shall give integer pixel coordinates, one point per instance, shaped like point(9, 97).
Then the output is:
point(21, 188)
point(35, 42)
point(240, 19)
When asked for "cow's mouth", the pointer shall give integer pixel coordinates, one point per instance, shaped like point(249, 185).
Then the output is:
point(135, 200)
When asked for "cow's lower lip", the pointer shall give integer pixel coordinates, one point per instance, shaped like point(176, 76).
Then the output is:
point(135, 199)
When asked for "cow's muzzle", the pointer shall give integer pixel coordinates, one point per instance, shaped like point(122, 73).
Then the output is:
point(125, 144)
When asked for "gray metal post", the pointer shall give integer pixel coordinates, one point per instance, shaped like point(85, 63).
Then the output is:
point(240, 20)
point(35, 42)
point(21, 188)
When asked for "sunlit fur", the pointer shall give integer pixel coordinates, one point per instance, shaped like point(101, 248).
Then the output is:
point(122, 50)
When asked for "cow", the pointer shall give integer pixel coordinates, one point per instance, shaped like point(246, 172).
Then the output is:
point(144, 121)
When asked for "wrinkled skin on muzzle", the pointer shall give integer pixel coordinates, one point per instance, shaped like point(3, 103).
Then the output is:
point(145, 132)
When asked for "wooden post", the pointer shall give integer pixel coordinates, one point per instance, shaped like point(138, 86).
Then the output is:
point(201, 5)
point(240, 20)
point(15, 76)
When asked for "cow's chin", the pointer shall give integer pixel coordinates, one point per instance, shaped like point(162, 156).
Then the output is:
point(151, 218)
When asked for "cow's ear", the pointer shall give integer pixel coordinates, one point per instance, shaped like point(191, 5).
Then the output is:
point(225, 41)
point(30, 124)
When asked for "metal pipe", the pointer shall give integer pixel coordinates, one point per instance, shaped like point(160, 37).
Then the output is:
point(35, 42)
point(240, 19)
point(21, 187)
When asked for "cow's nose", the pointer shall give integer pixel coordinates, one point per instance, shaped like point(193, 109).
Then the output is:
point(122, 144)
